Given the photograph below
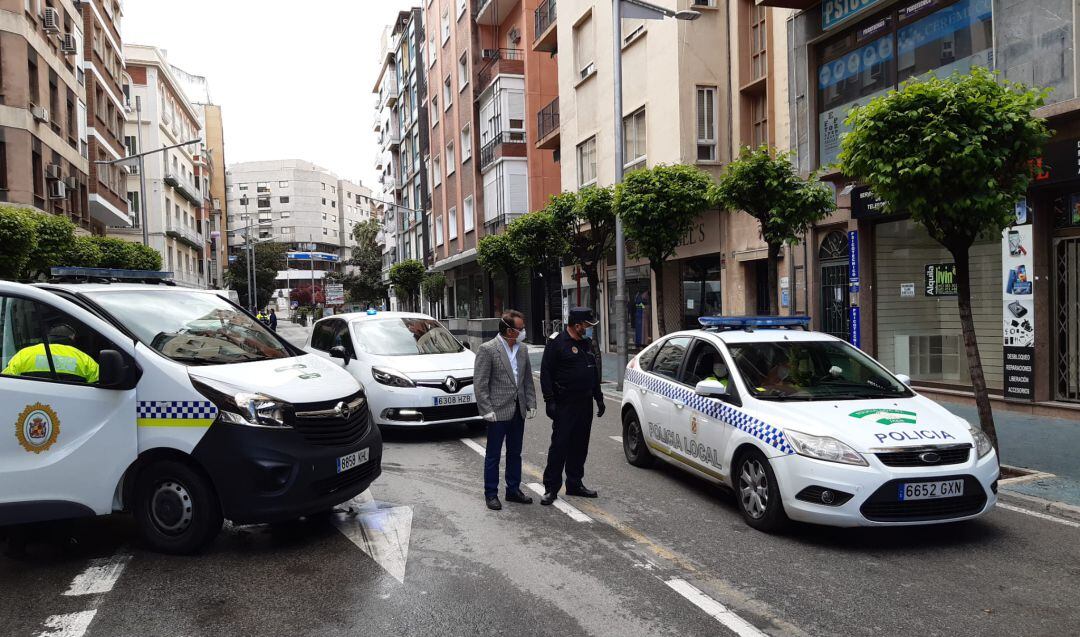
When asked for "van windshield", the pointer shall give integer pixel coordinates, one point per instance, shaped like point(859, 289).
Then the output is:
point(194, 328)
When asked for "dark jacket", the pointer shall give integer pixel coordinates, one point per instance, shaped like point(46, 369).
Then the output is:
point(569, 369)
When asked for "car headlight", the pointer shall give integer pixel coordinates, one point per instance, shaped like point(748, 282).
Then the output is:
point(983, 445)
point(824, 448)
point(391, 377)
point(240, 407)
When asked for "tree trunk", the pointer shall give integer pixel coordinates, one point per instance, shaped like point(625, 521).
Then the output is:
point(658, 272)
point(593, 279)
point(971, 345)
point(774, 283)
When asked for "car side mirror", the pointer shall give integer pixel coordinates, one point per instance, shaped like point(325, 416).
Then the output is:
point(904, 378)
point(712, 389)
point(113, 371)
point(339, 351)
point(467, 345)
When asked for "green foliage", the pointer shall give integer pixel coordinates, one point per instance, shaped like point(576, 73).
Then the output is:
point(406, 276)
point(114, 252)
point(85, 253)
point(535, 240)
point(364, 284)
point(18, 238)
point(586, 219)
point(434, 284)
point(495, 254)
point(142, 257)
point(269, 258)
point(54, 246)
point(658, 207)
point(953, 153)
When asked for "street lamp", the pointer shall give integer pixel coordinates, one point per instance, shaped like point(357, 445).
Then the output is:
point(635, 9)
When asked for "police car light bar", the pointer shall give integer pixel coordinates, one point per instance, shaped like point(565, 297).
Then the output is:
point(111, 273)
point(750, 322)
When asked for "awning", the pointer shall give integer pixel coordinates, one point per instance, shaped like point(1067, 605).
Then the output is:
point(449, 263)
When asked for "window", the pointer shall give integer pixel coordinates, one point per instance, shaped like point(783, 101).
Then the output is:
point(670, 357)
point(585, 48)
point(283, 184)
point(431, 49)
point(324, 231)
point(447, 92)
point(451, 161)
point(445, 25)
point(470, 214)
point(32, 74)
point(463, 71)
point(286, 230)
point(466, 143)
point(759, 119)
point(706, 123)
point(438, 230)
point(405, 337)
point(323, 186)
point(285, 214)
point(705, 362)
point(133, 206)
point(586, 160)
point(46, 345)
point(284, 199)
point(634, 139)
point(264, 202)
point(758, 41)
point(436, 170)
point(452, 220)
point(434, 110)
point(243, 186)
point(262, 188)
point(461, 4)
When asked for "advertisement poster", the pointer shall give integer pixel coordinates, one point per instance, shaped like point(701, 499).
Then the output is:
point(1018, 315)
point(940, 279)
point(335, 294)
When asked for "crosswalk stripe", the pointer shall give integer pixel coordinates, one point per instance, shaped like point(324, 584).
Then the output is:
point(99, 577)
point(562, 505)
point(713, 608)
point(69, 625)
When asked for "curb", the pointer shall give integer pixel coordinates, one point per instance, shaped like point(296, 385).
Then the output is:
point(1042, 505)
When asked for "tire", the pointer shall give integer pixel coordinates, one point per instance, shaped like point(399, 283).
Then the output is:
point(637, 452)
point(176, 508)
point(757, 493)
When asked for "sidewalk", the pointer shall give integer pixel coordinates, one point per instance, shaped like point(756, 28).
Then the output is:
point(1049, 445)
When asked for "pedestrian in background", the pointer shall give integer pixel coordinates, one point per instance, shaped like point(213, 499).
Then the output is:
point(503, 385)
point(273, 320)
point(570, 382)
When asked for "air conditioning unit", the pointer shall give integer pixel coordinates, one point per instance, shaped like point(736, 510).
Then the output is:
point(51, 20)
point(57, 190)
point(54, 171)
point(514, 35)
point(67, 44)
point(71, 182)
point(40, 113)
point(490, 54)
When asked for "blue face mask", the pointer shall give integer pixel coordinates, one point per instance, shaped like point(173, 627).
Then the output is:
point(588, 332)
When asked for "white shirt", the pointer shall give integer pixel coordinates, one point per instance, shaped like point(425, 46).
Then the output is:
point(511, 352)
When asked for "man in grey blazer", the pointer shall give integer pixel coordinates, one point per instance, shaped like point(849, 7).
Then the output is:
point(505, 396)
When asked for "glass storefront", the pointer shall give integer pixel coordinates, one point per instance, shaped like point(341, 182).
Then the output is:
point(700, 290)
point(638, 308)
point(917, 320)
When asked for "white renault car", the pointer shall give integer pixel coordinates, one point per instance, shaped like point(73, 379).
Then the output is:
point(414, 371)
point(802, 426)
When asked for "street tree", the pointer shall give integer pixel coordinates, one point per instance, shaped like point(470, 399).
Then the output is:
point(269, 259)
point(85, 253)
point(495, 255)
point(956, 154)
point(364, 284)
point(537, 244)
point(54, 246)
point(18, 238)
point(434, 285)
point(126, 255)
point(406, 277)
point(586, 219)
point(763, 183)
point(659, 206)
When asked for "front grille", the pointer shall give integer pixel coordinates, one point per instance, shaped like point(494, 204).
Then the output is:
point(449, 412)
point(462, 383)
point(884, 505)
point(945, 455)
point(367, 471)
point(319, 425)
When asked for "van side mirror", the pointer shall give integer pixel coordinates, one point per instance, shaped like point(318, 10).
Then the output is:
point(339, 351)
point(712, 389)
point(467, 345)
point(113, 371)
point(904, 378)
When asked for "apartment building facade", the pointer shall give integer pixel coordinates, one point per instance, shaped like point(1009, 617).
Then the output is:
point(104, 76)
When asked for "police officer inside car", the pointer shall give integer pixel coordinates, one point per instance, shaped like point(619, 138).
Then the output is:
point(570, 382)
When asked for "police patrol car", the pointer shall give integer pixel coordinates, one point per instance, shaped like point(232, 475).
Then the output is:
point(802, 426)
point(170, 403)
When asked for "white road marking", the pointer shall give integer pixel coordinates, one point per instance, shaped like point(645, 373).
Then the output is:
point(1044, 516)
point(714, 609)
point(99, 577)
point(380, 530)
point(562, 505)
point(475, 446)
point(69, 625)
point(617, 439)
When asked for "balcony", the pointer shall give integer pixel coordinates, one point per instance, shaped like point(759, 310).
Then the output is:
point(503, 144)
point(184, 188)
point(544, 21)
point(388, 90)
point(493, 12)
point(499, 222)
point(547, 126)
point(499, 62)
point(391, 138)
point(185, 234)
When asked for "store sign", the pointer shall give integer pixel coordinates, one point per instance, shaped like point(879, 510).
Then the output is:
point(907, 290)
point(836, 12)
point(1018, 312)
point(335, 294)
point(1060, 162)
point(865, 204)
point(853, 256)
point(853, 326)
point(940, 279)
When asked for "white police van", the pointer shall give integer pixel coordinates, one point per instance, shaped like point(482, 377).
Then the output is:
point(803, 426)
point(183, 410)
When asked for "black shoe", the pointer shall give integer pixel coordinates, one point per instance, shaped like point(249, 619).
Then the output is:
point(581, 492)
point(518, 496)
point(548, 498)
point(494, 504)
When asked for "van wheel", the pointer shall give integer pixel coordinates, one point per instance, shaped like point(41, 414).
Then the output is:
point(758, 494)
point(176, 508)
point(634, 446)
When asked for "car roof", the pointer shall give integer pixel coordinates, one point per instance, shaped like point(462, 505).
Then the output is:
point(122, 287)
point(356, 317)
point(759, 335)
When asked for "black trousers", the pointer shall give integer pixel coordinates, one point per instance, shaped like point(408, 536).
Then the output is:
point(569, 442)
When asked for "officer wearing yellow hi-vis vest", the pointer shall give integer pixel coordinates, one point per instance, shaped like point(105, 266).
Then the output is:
point(68, 361)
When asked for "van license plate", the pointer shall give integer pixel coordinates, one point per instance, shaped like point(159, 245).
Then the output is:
point(460, 399)
point(931, 490)
point(354, 459)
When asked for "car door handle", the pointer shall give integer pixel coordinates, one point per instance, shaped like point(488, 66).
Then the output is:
point(643, 390)
point(679, 404)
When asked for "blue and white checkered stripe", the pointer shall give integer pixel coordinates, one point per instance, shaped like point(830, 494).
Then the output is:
point(714, 409)
point(183, 409)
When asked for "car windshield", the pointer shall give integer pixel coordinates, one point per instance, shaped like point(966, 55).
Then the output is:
point(404, 337)
point(812, 370)
point(194, 328)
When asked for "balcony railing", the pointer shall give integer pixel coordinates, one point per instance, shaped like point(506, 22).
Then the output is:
point(185, 234)
point(187, 189)
point(547, 120)
point(507, 61)
point(489, 152)
point(544, 16)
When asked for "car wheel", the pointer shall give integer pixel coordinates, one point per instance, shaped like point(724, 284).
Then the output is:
point(634, 446)
point(176, 508)
point(758, 494)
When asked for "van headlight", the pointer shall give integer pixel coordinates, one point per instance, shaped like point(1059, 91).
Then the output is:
point(824, 448)
point(391, 377)
point(983, 445)
point(240, 407)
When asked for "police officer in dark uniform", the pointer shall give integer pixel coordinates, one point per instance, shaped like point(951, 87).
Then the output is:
point(570, 382)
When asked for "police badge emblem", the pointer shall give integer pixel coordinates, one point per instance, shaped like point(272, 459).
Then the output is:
point(37, 428)
point(574, 349)
point(693, 424)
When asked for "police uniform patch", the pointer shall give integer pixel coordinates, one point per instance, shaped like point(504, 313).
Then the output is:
point(574, 349)
point(37, 428)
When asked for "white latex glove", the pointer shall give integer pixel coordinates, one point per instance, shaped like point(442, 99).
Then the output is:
point(531, 413)
point(490, 416)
